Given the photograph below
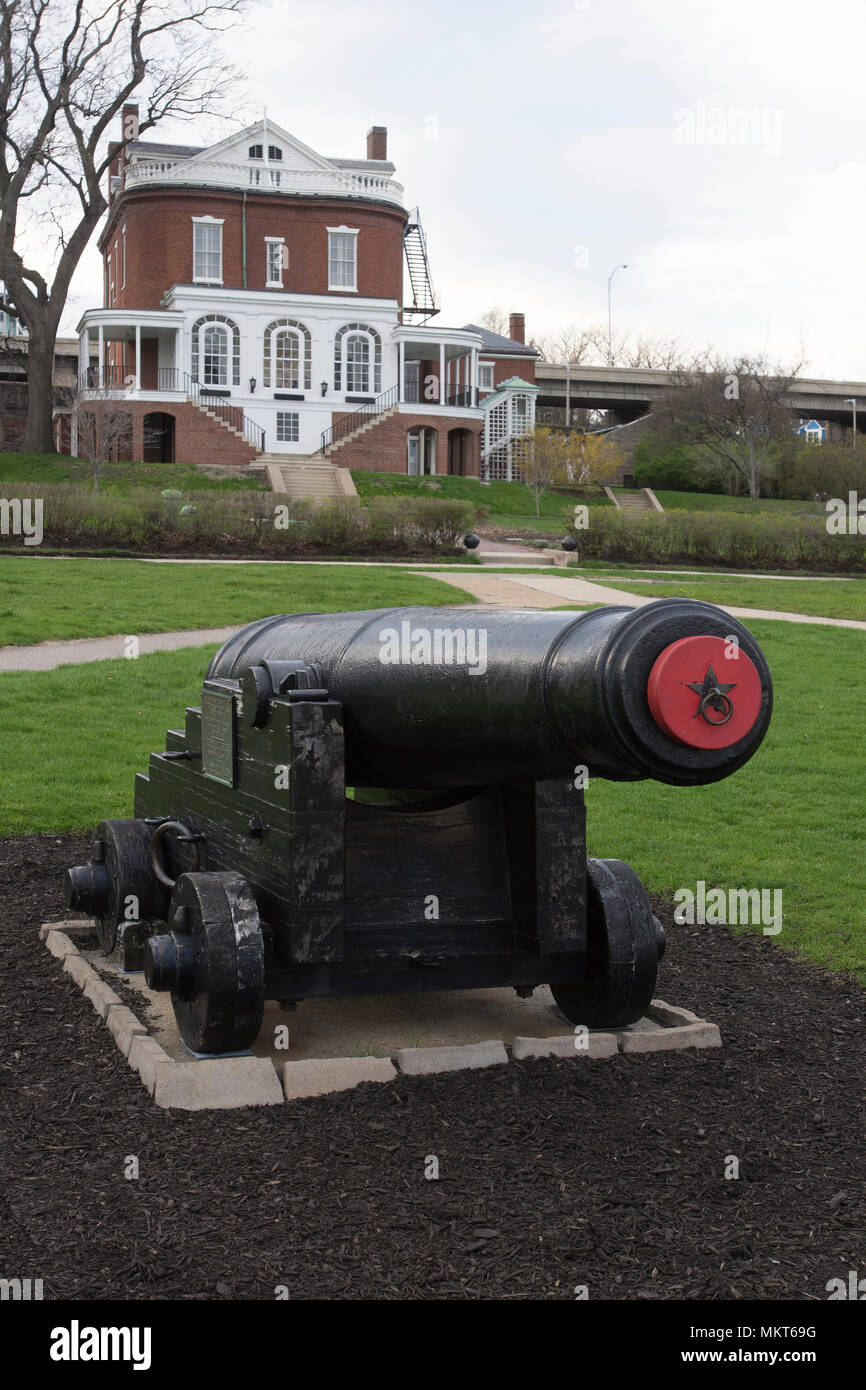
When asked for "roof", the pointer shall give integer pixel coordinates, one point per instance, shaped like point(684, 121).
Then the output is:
point(154, 147)
point(495, 343)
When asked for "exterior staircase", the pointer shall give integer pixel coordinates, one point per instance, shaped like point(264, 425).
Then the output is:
point(302, 476)
point(368, 423)
point(642, 500)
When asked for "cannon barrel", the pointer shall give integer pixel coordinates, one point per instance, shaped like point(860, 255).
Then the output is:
point(675, 690)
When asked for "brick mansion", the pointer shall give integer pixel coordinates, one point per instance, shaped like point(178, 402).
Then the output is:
point(265, 302)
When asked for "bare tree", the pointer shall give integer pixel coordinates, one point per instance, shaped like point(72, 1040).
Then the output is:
point(101, 428)
point(67, 67)
point(739, 412)
point(496, 320)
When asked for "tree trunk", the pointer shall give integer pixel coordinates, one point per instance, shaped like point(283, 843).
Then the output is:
point(39, 431)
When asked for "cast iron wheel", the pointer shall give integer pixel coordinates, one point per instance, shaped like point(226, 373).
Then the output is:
point(625, 943)
point(117, 885)
point(212, 960)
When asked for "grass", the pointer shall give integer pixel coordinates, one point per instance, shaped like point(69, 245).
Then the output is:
point(843, 599)
point(507, 505)
point(50, 600)
point(793, 818)
point(719, 502)
point(119, 477)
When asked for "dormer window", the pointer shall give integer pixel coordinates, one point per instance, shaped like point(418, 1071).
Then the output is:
point(255, 152)
point(274, 152)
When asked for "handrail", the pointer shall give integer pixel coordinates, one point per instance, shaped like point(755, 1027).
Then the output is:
point(347, 423)
point(211, 399)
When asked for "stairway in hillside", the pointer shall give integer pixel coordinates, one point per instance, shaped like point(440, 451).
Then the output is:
point(637, 501)
point(304, 476)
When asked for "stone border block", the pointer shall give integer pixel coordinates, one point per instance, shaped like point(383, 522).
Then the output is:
point(321, 1075)
point(59, 945)
point(124, 1026)
point(146, 1057)
point(670, 1015)
point(425, 1061)
point(74, 929)
point(76, 966)
point(599, 1045)
point(671, 1039)
point(219, 1084)
point(101, 997)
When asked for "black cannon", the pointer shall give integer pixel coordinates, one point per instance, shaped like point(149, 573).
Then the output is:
point(393, 801)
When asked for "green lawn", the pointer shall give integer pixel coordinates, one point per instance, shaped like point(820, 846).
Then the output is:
point(845, 599)
point(794, 818)
point(717, 501)
point(118, 477)
point(509, 505)
point(43, 600)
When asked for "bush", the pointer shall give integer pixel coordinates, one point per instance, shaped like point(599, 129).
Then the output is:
point(731, 539)
point(246, 522)
point(676, 468)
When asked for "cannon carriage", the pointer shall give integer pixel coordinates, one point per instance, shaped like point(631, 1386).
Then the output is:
point(393, 800)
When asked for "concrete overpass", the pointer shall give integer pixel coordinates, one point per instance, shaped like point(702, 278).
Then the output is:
point(630, 392)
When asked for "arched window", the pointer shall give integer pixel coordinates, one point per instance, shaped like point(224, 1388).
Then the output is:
point(216, 351)
point(358, 359)
point(287, 362)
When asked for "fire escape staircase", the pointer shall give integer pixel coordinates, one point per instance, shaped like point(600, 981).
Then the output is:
point(423, 305)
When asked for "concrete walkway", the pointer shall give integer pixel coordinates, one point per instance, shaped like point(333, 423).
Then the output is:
point(45, 656)
point(561, 589)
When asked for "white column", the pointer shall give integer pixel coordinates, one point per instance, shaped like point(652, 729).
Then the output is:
point(83, 354)
point(473, 384)
point(101, 376)
point(401, 372)
point(138, 358)
point(441, 373)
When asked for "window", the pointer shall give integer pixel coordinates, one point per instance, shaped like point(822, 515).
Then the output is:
point(287, 356)
point(216, 343)
point(342, 258)
point(207, 249)
point(358, 363)
point(215, 356)
point(274, 152)
point(287, 345)
point(275, 250)
point(354, 366)
point(255, 152)
point(288, 426)
point(485, 376)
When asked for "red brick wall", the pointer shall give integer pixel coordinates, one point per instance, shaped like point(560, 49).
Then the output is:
point(159, 242)
point(506, 367)
point(197, 438)
point(383, 449)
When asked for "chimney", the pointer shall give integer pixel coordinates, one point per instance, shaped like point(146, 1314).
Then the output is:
point(517, 328)
point(377, 142)
point(129, 122)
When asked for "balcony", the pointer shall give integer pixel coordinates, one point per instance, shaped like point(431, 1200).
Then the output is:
point(320, 183)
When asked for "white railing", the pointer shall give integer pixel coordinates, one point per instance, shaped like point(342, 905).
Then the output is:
point(337, 183)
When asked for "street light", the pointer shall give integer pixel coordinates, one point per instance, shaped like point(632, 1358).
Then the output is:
point(850, 400)
point(609, 331)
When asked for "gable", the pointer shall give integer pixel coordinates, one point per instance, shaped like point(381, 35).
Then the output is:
point(235, 150)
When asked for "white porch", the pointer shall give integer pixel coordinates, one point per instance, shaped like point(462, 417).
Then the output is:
point(136, 350)
point(437, 366)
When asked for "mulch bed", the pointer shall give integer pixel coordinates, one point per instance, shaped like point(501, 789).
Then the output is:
point(552, 1173)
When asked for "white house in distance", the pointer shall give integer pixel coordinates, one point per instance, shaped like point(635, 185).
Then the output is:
point(262, 301)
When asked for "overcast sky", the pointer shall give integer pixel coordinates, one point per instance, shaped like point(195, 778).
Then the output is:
point(717, 148)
